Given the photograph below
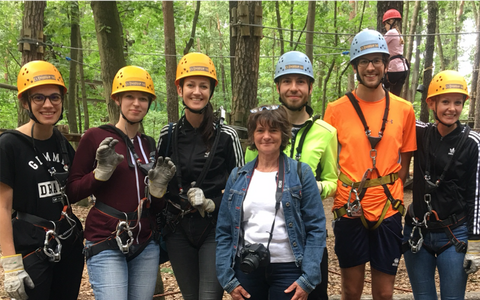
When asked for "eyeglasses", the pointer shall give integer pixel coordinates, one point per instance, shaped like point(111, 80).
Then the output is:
point(264, 107)
point(40, 98)
point(377, 62)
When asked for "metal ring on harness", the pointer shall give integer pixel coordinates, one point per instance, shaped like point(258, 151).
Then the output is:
point(120, 227)
point(354, 208)
point(53, 255)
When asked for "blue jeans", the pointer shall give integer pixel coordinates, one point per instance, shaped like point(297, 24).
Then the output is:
point(421, 266)
point(194, 268)
point(112, 277)
point(269, 282)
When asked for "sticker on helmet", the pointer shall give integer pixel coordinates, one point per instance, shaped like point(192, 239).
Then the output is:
point(369, 46)
point(454, 86)
point(198, 68)
point(43, 77)
point(287, 67)
point(135, 83)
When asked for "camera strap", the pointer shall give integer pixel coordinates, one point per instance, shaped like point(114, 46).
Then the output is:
point(278, 198)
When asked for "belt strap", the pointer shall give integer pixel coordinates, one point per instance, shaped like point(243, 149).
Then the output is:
point(387, 179)
point(35, 220)
point(107, 209)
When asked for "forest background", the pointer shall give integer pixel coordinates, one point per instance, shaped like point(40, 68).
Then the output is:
point(90, 41)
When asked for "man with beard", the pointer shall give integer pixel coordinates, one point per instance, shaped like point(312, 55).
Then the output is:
point(313, 141)
point(376, 135)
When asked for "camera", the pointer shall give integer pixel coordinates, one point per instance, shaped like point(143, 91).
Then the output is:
point(253, 256)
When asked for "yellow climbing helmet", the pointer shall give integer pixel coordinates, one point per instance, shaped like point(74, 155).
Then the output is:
point(133, 78)
point(447, 82)
point(195, 64)
point(37, 73)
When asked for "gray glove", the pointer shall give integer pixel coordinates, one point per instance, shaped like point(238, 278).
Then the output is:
point(107, 159)
point(197, 199)
point(160, 176)
point(471, 263)
point(16, 277)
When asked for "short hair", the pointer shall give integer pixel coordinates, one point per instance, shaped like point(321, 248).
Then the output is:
point(275, 118)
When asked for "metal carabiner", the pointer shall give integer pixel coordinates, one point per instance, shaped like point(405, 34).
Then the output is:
point(354, 209)
point(373, 156)
point(415, 247)
point(53, 255)
point(120, 227)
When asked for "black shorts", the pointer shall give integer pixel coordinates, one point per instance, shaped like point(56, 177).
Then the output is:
point(355, 245)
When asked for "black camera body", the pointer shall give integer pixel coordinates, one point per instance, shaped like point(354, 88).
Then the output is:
point(254, 256)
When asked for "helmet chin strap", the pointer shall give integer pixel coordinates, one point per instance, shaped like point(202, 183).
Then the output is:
point(438, 119)
point(195, 111)
point(32, 116)
point(359, 79)
point(128, 121)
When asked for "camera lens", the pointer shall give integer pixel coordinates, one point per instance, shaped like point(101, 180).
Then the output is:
point(249, 264)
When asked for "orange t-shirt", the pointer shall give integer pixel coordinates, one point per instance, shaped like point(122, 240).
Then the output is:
point(354, 147)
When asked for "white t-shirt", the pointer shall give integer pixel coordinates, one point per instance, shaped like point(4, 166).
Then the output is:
point(258, 214)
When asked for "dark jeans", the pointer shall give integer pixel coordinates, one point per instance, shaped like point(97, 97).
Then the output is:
point(59, 280)
point(269, 282)
point(320, 291)
point(194, 266)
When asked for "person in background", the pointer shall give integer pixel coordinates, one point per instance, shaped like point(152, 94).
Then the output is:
point(116, 163)
point(271, 229)
point(313, 142)
point(398, 67)
point(42, 244)
point(204, 152)
point(376, 135)
point(442, 226)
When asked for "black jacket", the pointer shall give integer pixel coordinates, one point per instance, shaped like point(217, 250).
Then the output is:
point(459, 192)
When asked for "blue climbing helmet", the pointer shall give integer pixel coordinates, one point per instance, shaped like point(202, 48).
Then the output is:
point(294, 62)
point(366, 42)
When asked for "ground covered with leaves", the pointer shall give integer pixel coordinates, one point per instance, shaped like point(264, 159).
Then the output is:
point(402, 284)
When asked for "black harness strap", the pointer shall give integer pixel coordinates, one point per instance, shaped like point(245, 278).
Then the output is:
point(115, 213)
point(373, 140)
point(299, 149)
point(147, 165)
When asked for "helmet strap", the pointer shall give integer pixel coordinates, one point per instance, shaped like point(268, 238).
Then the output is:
point(32, 116)
point(290, 108)
point(438, 119)
point(195, 111)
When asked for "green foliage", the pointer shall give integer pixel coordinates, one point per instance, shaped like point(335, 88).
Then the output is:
point(142, 23)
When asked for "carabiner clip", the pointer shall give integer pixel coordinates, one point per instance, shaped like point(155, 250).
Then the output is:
point(354, 209)
point(120, 227)
point(415, 247)
point(53, 255)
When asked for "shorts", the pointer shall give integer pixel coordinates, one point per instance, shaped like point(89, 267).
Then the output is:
point(355, 245)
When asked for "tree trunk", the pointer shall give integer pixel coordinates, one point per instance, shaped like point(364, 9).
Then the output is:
point(194, 27)
point(72, 86)
point(416, 68)
point(170, 60)
point(32, 31)
point(292, 4)
point(429, 49)
point(351, 75)
point(279, 25)
point(309, 36)
point(408, 56)
point(110, 44)
point(458, 27)
point(440, 50)
point(475, 74)
point(232, 5)
point(382, 7)
point(245, 81)
point(86, 119)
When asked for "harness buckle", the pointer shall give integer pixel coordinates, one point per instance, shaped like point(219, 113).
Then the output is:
point(53, 255)
point(123, 225)
point(354, 208)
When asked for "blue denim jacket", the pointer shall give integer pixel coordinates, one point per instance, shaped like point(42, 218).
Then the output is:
point(304, 218)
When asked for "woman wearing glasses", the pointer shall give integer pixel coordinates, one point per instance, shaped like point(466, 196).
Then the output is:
point(204, 152)
point(41, 246)
point(112, 163)
point(270, 230)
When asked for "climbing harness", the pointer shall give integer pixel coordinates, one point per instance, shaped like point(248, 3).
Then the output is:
point(435, 223)
point(353, 207)
point(50, 251)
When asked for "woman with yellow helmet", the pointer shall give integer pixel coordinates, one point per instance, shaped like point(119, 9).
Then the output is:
point(205, 152)
point(442, 226)
point(42, 245)
point(115, 163)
